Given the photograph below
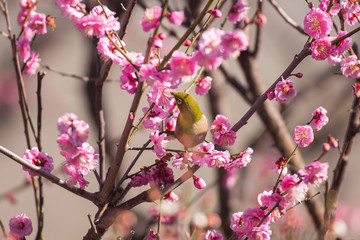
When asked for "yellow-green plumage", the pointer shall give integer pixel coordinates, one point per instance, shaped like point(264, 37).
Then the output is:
point(191, 125)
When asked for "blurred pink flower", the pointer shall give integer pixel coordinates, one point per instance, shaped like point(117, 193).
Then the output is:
point(350, 67)
point(240, 160)
point(199, 183)
point(176, 17)
point(303, 135)
point(70, 8)
point(334, 9)
point(316, 173)
point(350, 6)
point(181, 65)
point(151, 18)
point(218, 159)
point(234, 42)
point(23, 49)
point(32, 64)
point(212, 235)
point(210, 43)
point(37, 23)
point(238, 12)
point(20, 225)
point(220, 129)
point(203, 85)
point(159, 143)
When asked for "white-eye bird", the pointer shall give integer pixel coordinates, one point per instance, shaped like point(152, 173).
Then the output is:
point(191, 125)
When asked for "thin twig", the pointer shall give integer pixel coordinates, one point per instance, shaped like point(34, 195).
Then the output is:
point(286, 17)
point(78, 191)
point(297, 60)
point(82, 78)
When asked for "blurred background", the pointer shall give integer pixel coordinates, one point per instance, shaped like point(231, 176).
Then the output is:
point(69, 51)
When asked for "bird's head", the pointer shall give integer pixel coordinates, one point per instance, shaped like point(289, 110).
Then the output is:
point(187, 105)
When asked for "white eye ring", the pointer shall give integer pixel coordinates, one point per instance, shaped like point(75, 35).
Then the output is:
point(179, 101)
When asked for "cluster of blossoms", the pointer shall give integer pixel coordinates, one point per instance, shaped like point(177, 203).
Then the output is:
point(220, 129)
point(304, 135)
point(292, 189)
point(33, 23)
point(159, 174)
point(81, 158)
point(318, 25)
point(283, 91)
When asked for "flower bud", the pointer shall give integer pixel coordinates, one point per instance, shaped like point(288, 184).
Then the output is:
point(199, 182)
point(216, 13)
point(187, 42)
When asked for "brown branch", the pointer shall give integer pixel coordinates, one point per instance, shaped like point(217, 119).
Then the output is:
point(286, 17)
point(78, 191)
point(84, 79)
point(126, 19)
point(150, 195)
point(274, 122)
point(260, 100)
point(341, 166)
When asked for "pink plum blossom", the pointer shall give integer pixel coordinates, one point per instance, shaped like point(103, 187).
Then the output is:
point(240, 160)
point(154, 118)
point(181, 65)
point(160, 174)
point(210, 43)
point(238, 12)
point(269, 199)
point(23, 49)
point(350, 67)
point(171, 196)
point(350, 6)
point(342, 46)
point(234, 42)
point(203, 85)
point(220, 129)
point(316, 173)
point(22, 15)
point(39, 159)
point(262, 232)
point(246, 223)
point(96, 23)
point(230, 179)
point(108, 50)
point(205, 61)
point(151, 18)
point(218, 159)
point(202, 158)
point(303, 135)
point(351, 18)
point(65, 122)
point(319, 118)
point(321, 49)
point(84, 160)
point(20, 225)
point(129, 82)
point(32, 64)
point(159, 143)
point(212, 235)
point(27, 4)
point(334, 9)
point(37, 23)
point(317, 23)
point(176, 17)
point(71, 8)
point(199, 183)
point(161, 95)
point(284, 90)
point(295, 190)
point(140, 179)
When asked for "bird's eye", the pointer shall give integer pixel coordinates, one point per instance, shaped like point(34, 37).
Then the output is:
point(179, 101)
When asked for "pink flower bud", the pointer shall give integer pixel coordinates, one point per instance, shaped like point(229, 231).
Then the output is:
point(216, 13)
point(199, 182)
point(333, 142)
point(187, 42)
point(162, 36)
point(271, 94)
point(299, 75)
point(311, 5)
point(326, 147)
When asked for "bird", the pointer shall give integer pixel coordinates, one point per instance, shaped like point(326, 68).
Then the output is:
point(191, 124)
